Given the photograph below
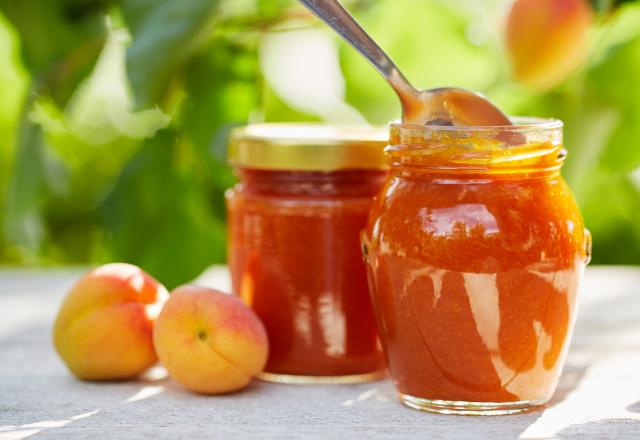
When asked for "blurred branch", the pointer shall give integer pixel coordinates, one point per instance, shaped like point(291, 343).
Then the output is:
point(287, 18)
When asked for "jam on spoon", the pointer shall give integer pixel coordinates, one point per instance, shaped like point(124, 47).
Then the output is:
point(441, 106)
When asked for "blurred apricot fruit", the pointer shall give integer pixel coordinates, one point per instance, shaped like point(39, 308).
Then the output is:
point(545, 39)
point(104, 329)
point(210, 342)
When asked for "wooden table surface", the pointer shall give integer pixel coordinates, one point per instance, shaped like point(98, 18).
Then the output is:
point(598, 396)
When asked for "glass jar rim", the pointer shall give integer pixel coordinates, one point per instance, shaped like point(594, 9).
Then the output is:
point(520, 123)
point(531, 146)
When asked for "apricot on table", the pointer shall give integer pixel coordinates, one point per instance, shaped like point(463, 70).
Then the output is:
point(210, 342)
point(104, 329)
point(545, 39)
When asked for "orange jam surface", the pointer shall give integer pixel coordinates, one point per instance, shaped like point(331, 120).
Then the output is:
point(475, 255)
point(295, 258)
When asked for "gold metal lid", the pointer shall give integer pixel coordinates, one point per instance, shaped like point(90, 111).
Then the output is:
point(308, 147)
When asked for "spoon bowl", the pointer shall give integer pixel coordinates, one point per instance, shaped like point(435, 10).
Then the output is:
point(451, 106)
point(441, 106)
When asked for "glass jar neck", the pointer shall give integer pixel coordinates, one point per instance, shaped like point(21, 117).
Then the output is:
point(339, 183)
point(472, 152)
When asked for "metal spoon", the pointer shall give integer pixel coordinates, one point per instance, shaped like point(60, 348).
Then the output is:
point(442, 106)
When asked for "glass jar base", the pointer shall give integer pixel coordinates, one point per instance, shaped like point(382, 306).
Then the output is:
point(463, 408)
point(295, 379)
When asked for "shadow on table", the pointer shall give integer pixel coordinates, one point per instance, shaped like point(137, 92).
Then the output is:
point(619, 429)
point(50, 402)
point(607, 317)
point(92, 404)
point(571, 378)
point(634, 407)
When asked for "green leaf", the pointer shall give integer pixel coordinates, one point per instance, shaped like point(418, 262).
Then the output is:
point(60, 41)
point(22, 222)
point(610, 209)
point(34, 178)
point(13, 85)
point(158, 216)
point(165, 34)
point(222, 87)
point(611, 83)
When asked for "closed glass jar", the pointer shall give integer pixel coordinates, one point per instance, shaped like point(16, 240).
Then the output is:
point(294, 221)
point(475, 250)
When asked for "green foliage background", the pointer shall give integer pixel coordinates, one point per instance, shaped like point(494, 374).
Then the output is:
point(115, 116)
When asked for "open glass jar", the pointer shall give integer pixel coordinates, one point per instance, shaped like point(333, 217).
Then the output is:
point(294, 220)
point(475, 249)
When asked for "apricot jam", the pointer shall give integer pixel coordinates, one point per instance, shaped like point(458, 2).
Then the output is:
point(475, 250)
point(294, 220)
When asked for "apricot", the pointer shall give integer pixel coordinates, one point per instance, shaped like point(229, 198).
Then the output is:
point(104, 329)
point(210, 342)
point(545, 39)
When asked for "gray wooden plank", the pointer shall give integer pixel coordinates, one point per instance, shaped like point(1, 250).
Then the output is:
point(598, 395)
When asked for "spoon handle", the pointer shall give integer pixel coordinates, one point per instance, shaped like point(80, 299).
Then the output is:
point(332, 13)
